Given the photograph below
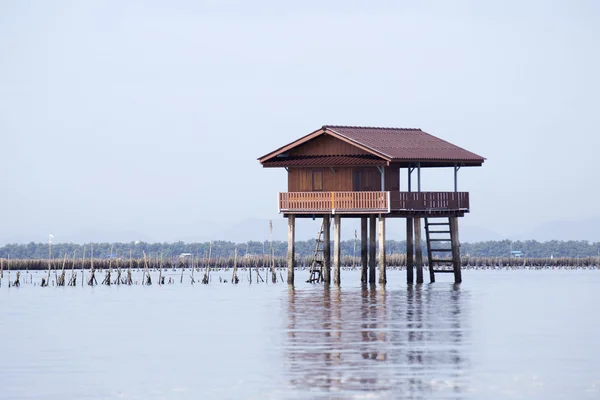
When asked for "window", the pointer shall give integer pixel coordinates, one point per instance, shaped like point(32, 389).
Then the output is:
point(317, 180)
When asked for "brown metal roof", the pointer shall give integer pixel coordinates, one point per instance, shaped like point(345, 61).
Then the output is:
point(326, 161)
point(405, 144)
point(397, 145)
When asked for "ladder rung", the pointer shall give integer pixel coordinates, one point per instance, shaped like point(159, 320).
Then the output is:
point(444, 250)
point(439, 240)
point(443, 271)
point(441, 260)
point(437, 223)
point(439, 231)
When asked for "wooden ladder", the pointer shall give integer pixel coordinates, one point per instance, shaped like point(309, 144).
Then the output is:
point(442, 236)
point(316, 265)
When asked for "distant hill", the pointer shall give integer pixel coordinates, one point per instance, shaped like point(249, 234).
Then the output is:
point(586, 229)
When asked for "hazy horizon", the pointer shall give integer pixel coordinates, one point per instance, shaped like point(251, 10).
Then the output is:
point(146, 118)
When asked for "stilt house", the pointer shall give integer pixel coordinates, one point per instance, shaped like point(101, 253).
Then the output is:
point(354, 172)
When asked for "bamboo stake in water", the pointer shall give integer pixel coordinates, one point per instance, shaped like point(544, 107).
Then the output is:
point(272, 261)
point(207, 270)
point(73, 280)
point(193, 268)
point(129, 279)
point(160, 267)
point(147, 280)
point(182, 268)
point(234, 277)
point(60, 280)
point(83, 268)
point(92, 280)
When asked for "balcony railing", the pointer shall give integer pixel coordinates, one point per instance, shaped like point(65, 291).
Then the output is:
point(430, 201)
point(353, 202)
point(372, 202)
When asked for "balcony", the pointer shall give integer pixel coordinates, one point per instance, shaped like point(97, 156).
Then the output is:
point(373, 202)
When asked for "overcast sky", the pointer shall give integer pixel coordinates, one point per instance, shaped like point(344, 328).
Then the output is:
point(148, 116)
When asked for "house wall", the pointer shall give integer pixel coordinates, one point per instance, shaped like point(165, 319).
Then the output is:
point(343, 179)
point(301, 179)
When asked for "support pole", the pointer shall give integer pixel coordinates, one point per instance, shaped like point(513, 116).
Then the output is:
point(290, 254)
point(336, 250)
point(364, 246)
point(409, 252)
point(372, 226)
point(455, 178)
point(382, 274)
point(418, 250)
point(419, 177)
point(455, 249)
point(409, 170)
point(327, 249)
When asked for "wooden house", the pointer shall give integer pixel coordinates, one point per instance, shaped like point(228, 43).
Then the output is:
point(355, 172)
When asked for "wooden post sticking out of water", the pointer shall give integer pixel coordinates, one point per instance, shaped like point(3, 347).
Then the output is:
point(161, 279)
point(455, 249)
point(92, 281)
point(73, 279)
point(372, 236)
point(364, 256)
point(382, 272)
point(418, 250)
point(326, 249)
point(129, 278)
point(272, 253)
point(234, 277)
point(147, 279)
point(60, 281)
point(83, 267)
point(337, 250)
point(409, 252)
point(291, 249)
point(205, 278)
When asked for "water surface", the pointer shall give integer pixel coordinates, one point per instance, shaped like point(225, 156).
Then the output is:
point(500, 335)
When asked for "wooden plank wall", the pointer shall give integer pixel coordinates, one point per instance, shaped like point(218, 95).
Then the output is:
point(300, 179)
point(325, 145)
point(392, 179)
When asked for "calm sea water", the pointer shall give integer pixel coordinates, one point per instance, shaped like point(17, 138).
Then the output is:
point(500, 335)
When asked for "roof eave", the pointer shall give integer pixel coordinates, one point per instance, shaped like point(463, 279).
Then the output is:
point(291, 145)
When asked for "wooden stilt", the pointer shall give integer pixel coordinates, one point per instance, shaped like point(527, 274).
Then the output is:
point(337, 253)
point(364, 256)
point(327, 249)
point(290, 254)
point(382, 273)
point(418, 250)
point(409, 252)
point(372, 233)
point(455, 249)
point(429, 252)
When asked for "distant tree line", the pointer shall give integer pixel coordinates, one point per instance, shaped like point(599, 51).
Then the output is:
point(529, 248)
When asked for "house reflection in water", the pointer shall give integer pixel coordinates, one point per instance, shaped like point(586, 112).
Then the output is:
point(408, 342)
